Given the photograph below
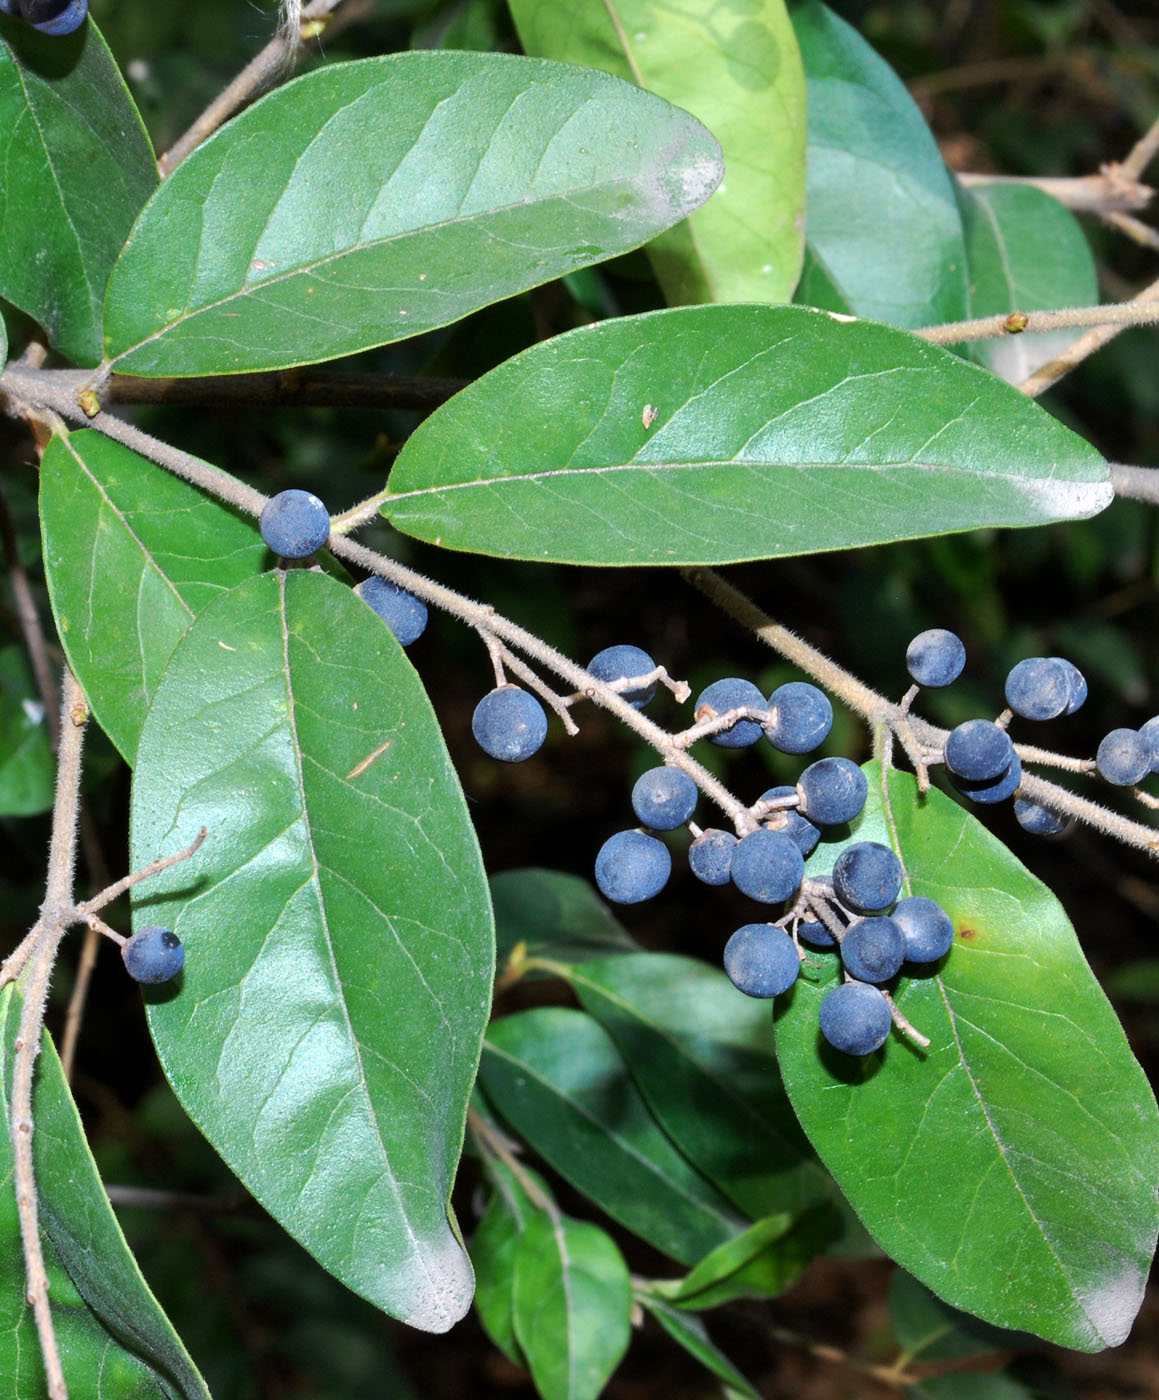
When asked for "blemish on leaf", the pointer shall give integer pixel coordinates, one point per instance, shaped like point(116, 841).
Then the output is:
point(967, 933)
point(360, 768)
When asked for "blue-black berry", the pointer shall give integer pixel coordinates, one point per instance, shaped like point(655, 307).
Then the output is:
point(815, 934)
point(624, 663)
point(632, 866)
point(1077, 682)
point(1038, 820)
point(710, 856)
point(732, 693)
point(992, 790)
point(509, 724)
point(832, 791)
point(1123, 758)
point(403, 613)
point(1039, 687)
point(767, 865)
point(761, 960)
point(55, 17)
point(926, 927)
point(867, 877)
point(855, 1018)
point(294, 524)
point(790, 821)
point(664, 798)
point(978, 750)
point(1149, 733)
point(873, 949)
point(935, 658)
point(800, 718)
point(153, 954)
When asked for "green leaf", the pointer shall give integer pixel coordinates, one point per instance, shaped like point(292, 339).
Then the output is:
point(929, 1330)
point(713, 434)
point(573, 1306)
point(27, 767)
point(554, 916)
point(691, 1333)
point(1011, 1166)
point(493, 1249)
point(883, 231)
point(131, 555)
point(768, 1258)
point(701, 1054)
point(368, 201)
point(337, 929)
point(737, 69)
point(77, 169)
point(970, 1385)
point(558, 1079)
point(1026, 253)
point(115, 1342)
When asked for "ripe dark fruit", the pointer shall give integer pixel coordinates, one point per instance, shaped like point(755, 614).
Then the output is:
point(935, 658)
point(509, 723)
point(790, 821)
point(855, 1018)
point(993, 789)
point(55, 17)
point(625, 662)
point(815, 934)
point(832, 791)
point(294, 524)
point(1039, 687)
point(873, 949)
point(1039, 821)
point(403, 613)
point(632, 866)
point(710, 856)
point(153, 954)
point(867, 876)
point(767, 865)
point(927, 928)
point(1123, 758)
point(664, 798)
point(761, 961)
point(800, 718)
point(978, 751)
point(732, 693)
point(1077, 682)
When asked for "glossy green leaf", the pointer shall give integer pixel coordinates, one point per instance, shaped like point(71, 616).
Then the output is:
point(558, 1079)
point(115, 1342)
point(553, 916)
point(1026, 253)
point(77, 167)
point(738, 70)
point(1010, 1167)
point(27, 767)
point(493, 1249)
point(131, 554)
point(768, 1258)
point(929, 1330)
point(883, 232)
point(701, 1054)
point(690, 1332)
point(339, 954)
point(713, 434)
point(368, 201)
point(573, 1306)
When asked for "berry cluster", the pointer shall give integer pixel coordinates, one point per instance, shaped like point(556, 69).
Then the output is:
point(55, 17)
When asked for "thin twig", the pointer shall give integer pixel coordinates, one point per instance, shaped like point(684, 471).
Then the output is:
point(1136, 312)
point(1107, 192)
point(26, 612)
point(1078, 350)
point(38, 973)
point(1141, 154)
point(1137, 483)
point(492, 1143)
point(258, 73)
point(118, 887)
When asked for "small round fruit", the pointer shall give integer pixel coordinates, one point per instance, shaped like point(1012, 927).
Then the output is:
point(855, 1018)
point(509, 723)
point(761, 960)
point(153, 954)
point(867, 877)
point(800, 718)
point(710, 856)
point(294, 524)
point(1078, 684)
point(1149, 733)
point(622, 663)
point(1039, 687)
point(1038, 820)
point(935, 658)
point(978, 750)
point(815, 934)
point(664, 798)
point(790, 821)
point(832, 791)
point(993, 789)
point(927, 928)
point(55, 17)
point(768, 866)
point(1123, 758)
point(403, 613)
point(732, 693)
point(632, 866)
point(873, 949)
